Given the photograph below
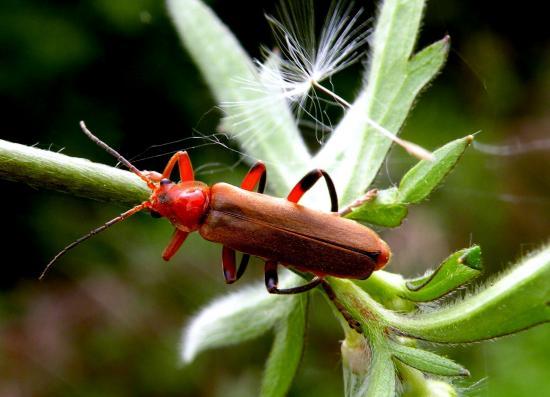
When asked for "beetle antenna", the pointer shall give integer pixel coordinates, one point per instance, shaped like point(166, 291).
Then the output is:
point(101, 228)
point(117, 155)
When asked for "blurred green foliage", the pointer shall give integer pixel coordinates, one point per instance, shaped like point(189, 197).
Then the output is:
point(107, 321)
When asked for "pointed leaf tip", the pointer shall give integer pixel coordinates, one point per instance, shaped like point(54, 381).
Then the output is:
point(236, 317)
point(458, 269)
point(427, 362)
point(472, 258)
point(425, 176)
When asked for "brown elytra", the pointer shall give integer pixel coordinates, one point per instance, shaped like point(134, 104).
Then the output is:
point(306, 239)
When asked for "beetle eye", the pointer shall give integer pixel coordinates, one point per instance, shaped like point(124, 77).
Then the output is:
point(155, 214)
point(165, 181)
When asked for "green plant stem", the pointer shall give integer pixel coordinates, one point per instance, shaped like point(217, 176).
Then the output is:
point(80, 177)
point(388, 289)
point(517, 300)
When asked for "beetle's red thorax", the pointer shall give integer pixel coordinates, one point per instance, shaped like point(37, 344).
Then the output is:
point(184, 204)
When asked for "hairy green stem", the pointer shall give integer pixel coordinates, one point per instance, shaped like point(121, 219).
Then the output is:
point(517, 300)
point(80, 177)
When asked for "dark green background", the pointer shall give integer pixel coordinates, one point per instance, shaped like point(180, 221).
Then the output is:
point(106, 322)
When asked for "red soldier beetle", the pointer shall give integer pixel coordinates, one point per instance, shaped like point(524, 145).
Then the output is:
point(280, 231)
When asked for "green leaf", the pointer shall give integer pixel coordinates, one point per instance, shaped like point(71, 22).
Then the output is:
point(261, 122)
point(384, 210)
point(423, 66)
point(368, 371)
point(237, 317)
point(458, 269)
point(427, 362)
point(424, 177)
point(382, 378)
point(287, 349)
point(397, 293)
point(415, 384)
point(355, 150)
point(515, 301)
point(389, 207)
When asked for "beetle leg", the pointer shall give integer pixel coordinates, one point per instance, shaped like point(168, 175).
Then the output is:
point(230, 271)
point(272, 280)
point(308, 181)
point(243, 265)
point(353, 323)
point(184, 165)
point(153, 175)
point(255, 176)
point(177, 240)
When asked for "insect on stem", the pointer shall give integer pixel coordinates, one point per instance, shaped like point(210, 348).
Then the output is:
point(325, 242)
